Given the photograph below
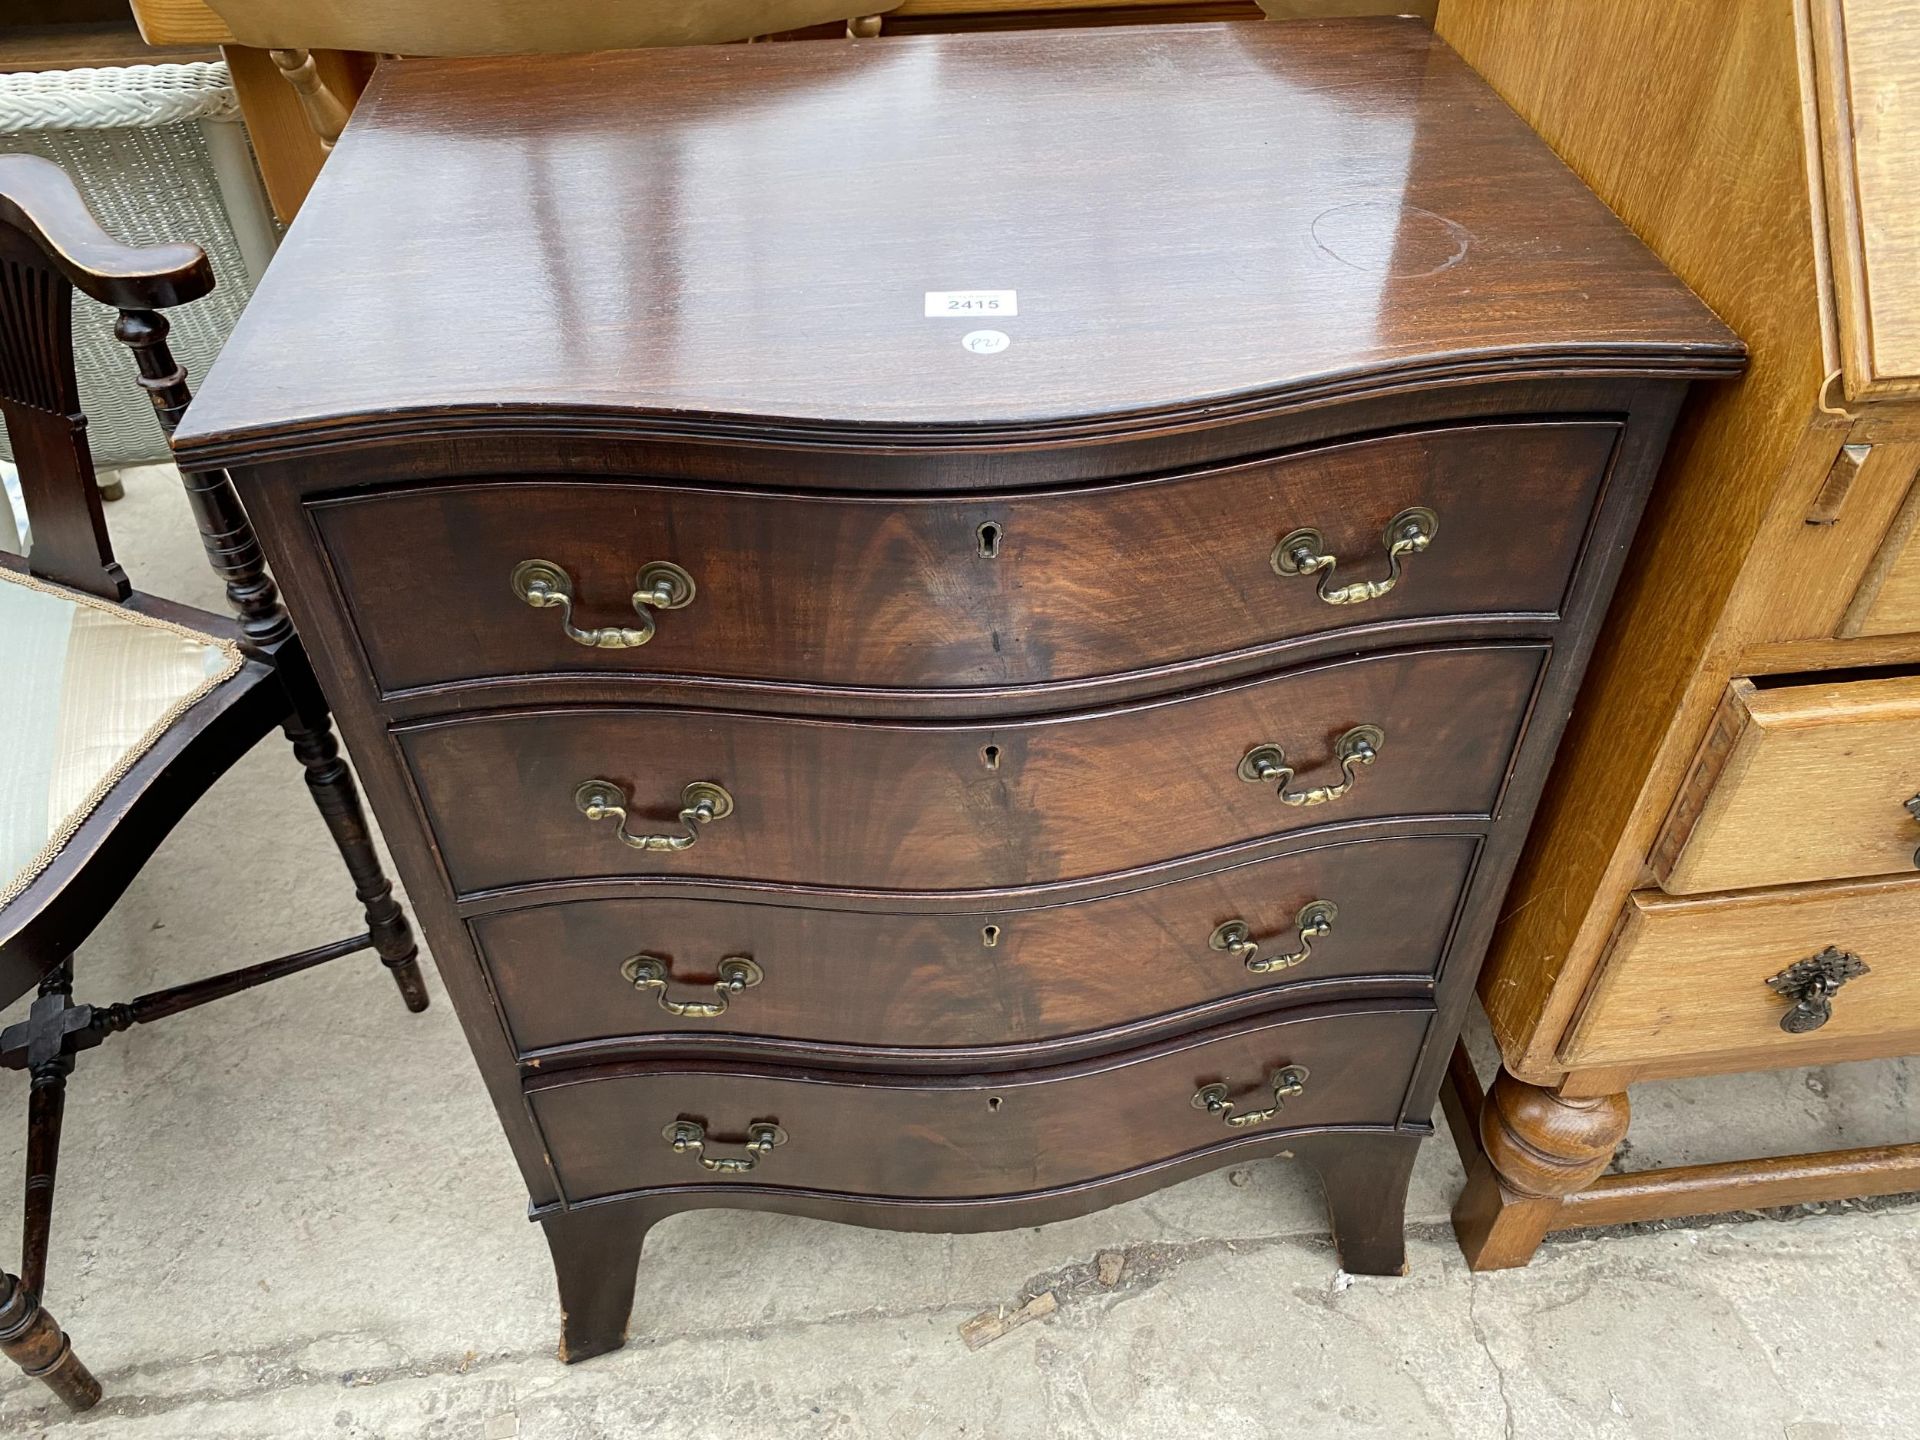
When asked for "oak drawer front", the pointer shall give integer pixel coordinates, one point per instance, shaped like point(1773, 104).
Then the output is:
point(976, 1135)
point(567, 973)
point(888, 806)
point(1798, 783)
point(1688, 978)
point(951, 592)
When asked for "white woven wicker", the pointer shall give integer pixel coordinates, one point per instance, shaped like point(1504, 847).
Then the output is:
point(160, 154)
point(116, 98)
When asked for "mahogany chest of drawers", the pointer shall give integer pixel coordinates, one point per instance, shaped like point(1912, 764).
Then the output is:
point(950, 630)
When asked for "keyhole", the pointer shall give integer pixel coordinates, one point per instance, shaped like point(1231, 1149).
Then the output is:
point(990, 756)
point(989, 534)
point(993, 1102)
point(990, 935)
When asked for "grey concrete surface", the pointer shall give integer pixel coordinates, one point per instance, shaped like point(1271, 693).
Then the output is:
point(290, 1214)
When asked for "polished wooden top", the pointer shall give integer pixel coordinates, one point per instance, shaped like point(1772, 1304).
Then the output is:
point(1196, 220)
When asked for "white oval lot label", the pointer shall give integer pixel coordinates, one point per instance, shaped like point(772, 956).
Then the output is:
point(985, 342)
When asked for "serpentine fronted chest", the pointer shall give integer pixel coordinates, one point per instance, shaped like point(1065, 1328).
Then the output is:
point(950, 630)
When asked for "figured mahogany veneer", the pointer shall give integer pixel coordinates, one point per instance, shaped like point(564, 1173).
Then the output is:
point(1002, 1135)
point(981, 638)
point(996, 589)
point(888, 806)
point(1000, 978)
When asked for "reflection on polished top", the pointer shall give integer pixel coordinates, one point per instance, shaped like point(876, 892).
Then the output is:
point(1189, 218)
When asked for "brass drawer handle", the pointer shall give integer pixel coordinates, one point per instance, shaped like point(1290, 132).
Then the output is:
point(1287, 1083)
point(546, 586)
point(1303, 552)
point(690, 1137)
point(1314, 922)
point(737, 973)
point(701, 803)
point(1359, 746)
point(1811, 985)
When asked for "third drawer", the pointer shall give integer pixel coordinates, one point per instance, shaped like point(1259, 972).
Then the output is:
point(587, 971)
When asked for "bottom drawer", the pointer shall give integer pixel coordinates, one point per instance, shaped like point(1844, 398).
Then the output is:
point(945, 1137)
point(1687, 979)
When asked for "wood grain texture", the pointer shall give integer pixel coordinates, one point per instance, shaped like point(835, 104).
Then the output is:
point(877, 805)
point(1317, 192)
point(1867, 53)
point(995, 590)
point(1525, 1148)
point(1685, 1190)
point(972, 982)
point(288, 152)
point(1688, 977)
point(1811, 787)
point(511, 27)
point(72, 45)
point(971, 1136)
point(1687, 120)
point(661, 330)
point(179, 22)
point(1888, 601)
point(1501, 1229)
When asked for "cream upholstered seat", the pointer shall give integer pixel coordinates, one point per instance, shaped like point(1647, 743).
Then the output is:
point(86, 688)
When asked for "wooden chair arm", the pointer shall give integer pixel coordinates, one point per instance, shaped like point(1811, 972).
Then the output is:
point(38, 200)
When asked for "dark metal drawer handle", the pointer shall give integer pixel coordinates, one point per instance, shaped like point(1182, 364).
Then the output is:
point(690, 1137)
point(1811, 985)
point(546, 586)
point(737, 973)
point(701, 803)
point(1287, 1083)
point(1359, 746)
point(1314, 922)
point(1303, 552)
point(1912, 807)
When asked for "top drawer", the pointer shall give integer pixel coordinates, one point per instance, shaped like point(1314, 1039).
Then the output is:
point(1796, 783)
point(945, 592)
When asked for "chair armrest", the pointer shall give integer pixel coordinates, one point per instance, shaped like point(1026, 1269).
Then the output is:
point(40, 202)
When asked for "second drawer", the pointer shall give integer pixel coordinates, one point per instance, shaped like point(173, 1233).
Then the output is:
point(529, 796)
point(567, 973)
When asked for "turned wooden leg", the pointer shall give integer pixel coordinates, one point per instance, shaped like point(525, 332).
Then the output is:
point(49, 1062)
point(334, 792)
point(31, 1339)
point(1366, 1178)
point(1535, 1146)
point(596, 1258)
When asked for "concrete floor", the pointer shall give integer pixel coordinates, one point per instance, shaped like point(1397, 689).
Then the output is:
point(290, 1214)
